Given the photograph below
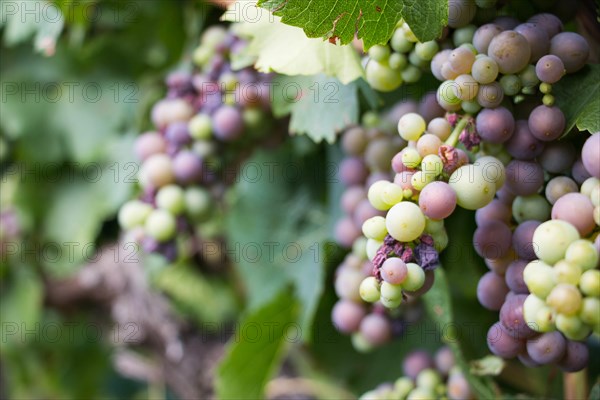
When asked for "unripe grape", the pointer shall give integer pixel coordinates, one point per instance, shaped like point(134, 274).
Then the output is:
point(374, 228)
point(590, 283)
point(582, 253)
point(405, 222)
point(552, 238)
point(411, 157)
point(567, 272)
point(375, 195)
point(161, 225)
point(198, 203)
point(133, 213)
point(369, 289)
point(157, 171)
point(473, 189)
point(372, 248)
point(565, 299)
point(171, 198)
point(540, 278)
point(415, 278)
point(572, 327)
point(200, 127)
point(392, 194)
point(411, 126)
point(381, 77)
point(590, 311)
point(391, 292)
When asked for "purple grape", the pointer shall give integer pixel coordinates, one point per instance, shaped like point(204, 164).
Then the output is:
point(549, 69)
point(548, 348)
point(376, 329)
point(353, 171)
point(354, 141)
point(514, 277)
point(429, 107)
point(522, 145)
point(228, 123)
point(187, 167)
point(379, 154)
point(178, 133)
point(460, 12)
point(352, 197)
point(364, 211)
point(511, 317)
point(578, 210)
point(502, 344)
point(377, 176)
point(437, 200)
point(506, 23)
point(537, 38)
point(527, 361)
point(572, 49)
point(590, 155)
point(492, 239)
point(546, 123)
point(558, 187)
point(347, 315)
point(394, 271)
point(549, 23)
point(495, 125)
point(148, 144)
point(524, 178)
point(511, 52)
point(490, 95)
point(495, 211)
point(458, 387)
point(346, 232)
point(505, 195)
point(436, 68)
point(579, 172)
point(444, 360)
point(558, 157)
point(491, 291)
point(484, 35)
point(415, 362)
point(576, 357)
point(522, 239)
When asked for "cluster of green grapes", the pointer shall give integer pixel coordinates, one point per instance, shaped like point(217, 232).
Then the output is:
point(425, 378)
point(202, 127)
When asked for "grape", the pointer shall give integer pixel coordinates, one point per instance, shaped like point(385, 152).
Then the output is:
point(351, 198)
point(228, 123)
point(444, 360)
point(493, 170)
point(590, 155)
point(502, 344)
point(552, 238)
point(391, 294)
point(473, 189)
point(364, 211)
point(397, 61)
point(578, 172)
point(529, 78)
point(347, 315)
point(374, 228)
point(461, 60)
point(522, 145)
point(577, 209)
point(510, 50)
point(376, 329)
point(187, 167)
point(458, 387)
point(427, 50)
point(538, 40)
point(495, 211)
point(533, 207)
point(411, 157)
point(346, 232)
point(484, 70)
point(392, 194)
point(466, 86)
point(198, 203)
point(558, 157)
point(590, 283)
point(506, 196)
point(353, 171)
point(491, 291)
point(460, 12)
point(160, 225)
point(565, 299)
point(167, 111)
point(360, 343)
point(379, 154)
point(582, 253)
point(399, 43)
point(550, 23)
point(506, 22)
point(375, 195)
point(405, 221)
point(354, 141)
point(411, 126)
point(415, 278)
point(178, 133)
point(549, 348)
point(572, 49)
point(148, 144)
point(490, 95)
point(437, 62)
point(432, 164)
point(429, 108)
point(171, 198)
point(428, 379)
point(437, 200)
point(382, 77)
point(576, 357)
point(537, 314)
point(514, 277)
point(133, 213)
point(157, 171)
point(590, 311)
point(347, 284)
point(572, 327)
point(524, 177)
point(540, 278)
point(375, 177)
point(379, 53)
point(527, 361)
point(511, 84)
point(394, 271)
point(550, 69)
point(369, 290)
point(567, 272)
point(588, 186)
point(495, 125)
point(484, 35)
point(200, 127)
point(415, 362)
point(511, 317)
point(492, 239)
point(558, 187)
point(522, 239)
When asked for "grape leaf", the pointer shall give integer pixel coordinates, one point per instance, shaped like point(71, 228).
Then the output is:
point(319, 106)
point(256, 349)
point(372, 20)
point(285, 49)
point(578, 96)
point(439, 307)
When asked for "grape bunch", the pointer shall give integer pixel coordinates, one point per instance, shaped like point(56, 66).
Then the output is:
point(203, 124)
point(425, 378)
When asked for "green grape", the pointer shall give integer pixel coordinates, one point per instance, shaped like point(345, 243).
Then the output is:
point(408, 33)
point(133, 213)
point(375, 195)
point(374, 228)
point(484, 70)
point(548, 100)
point(391, 303)
point(369, 290)
point(202, 55)
point(411, 157)
point(403, 386)
point(528, 77)
point(572, 327)
point(531, 307)
point(545, 88)
point(200, 127)
point(405, 221)
point(533, 207)
point(567, 272)
point(463, 35)
point(379, 53)
point(552, 238)
point(359, 248)
point(392, 194)
point(590, 282)
point(539, 278)
point(588, 186)
point(161, 225)
point(427, 50)
point(398, 61)
point(399, 42)
point(466, 86)
point(228, 81)
point(471, 106)
point(582, 253)
point(421, 179)
point(493, 170)
point(565, 299)
point(391, 292)
point(590, 311)
point(360, 343)
point(171, 198)
point(372, 248)
point(473, 189)
point(411, 126)
point(198, 203)
point(421, 394)
point(411, 74)
point(414, 279)
point(432, 164)
point(440, 240)
point(382, 77)
point(434, 225)
point(428, 379)
point(511, 84)
point(447, 93)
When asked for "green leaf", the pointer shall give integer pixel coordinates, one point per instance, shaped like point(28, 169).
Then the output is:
point(324, 107)
point(578, 96)
point(256, 349)
point(285, 49)
point(439, 307)
point(372, 20)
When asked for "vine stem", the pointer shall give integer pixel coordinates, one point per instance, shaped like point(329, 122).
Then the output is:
point(575, 385)
point(453, 138)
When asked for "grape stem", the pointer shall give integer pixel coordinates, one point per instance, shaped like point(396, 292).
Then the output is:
point(460, 126)
point(575, 385)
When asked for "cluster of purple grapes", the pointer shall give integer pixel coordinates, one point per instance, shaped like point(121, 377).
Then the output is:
point(182, 172)
point(425, 378)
